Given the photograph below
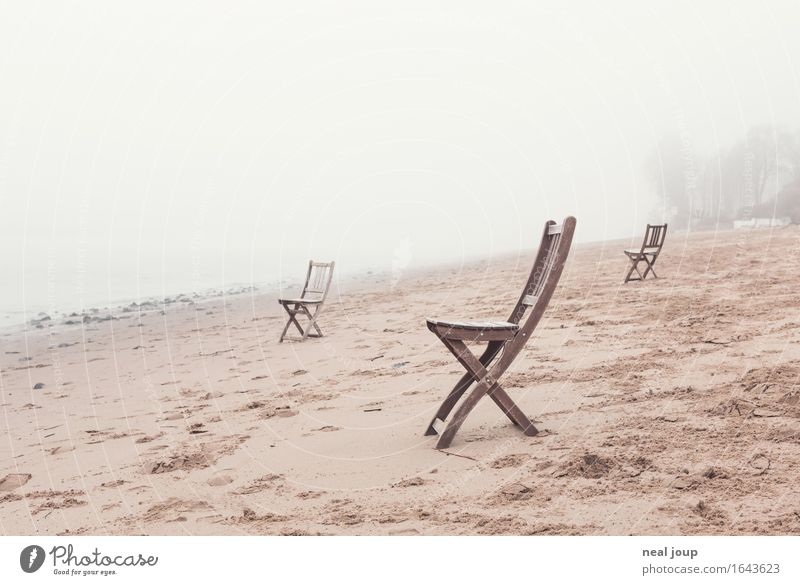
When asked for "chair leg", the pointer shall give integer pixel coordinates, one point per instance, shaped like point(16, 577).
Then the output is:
point(296, 322)
point(313, 321)
point(476, 370)
point(293, 319)
point(289, 321)
point(285, 329)
point(504, 401)
point(307, 332)
point(511, 410)
point(452, 399)
point(473, 365)
point(462, 386)
point(650, 267)
point(633, 267)
point(466, 407)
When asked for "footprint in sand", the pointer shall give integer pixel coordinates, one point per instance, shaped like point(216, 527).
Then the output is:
point(285, 412)
point(513, 460)
point(219, 480)
point(14, 480)
point(148, 438)
point(259, 484)
point(309, 495)
point(410, 482)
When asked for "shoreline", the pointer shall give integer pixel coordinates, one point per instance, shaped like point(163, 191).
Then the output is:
point(351, 282)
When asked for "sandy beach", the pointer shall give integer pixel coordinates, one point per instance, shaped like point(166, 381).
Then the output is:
point(669, 406)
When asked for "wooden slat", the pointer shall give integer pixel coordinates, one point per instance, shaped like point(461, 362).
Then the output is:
point(474, 324)
point(554, 229)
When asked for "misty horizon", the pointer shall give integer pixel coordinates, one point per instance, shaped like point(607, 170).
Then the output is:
point(163, 149)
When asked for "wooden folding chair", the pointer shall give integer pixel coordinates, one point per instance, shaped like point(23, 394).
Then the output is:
point(648, 253)
point(315, 290)
point(504, 338)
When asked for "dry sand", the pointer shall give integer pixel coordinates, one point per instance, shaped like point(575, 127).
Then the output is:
point(667, 407)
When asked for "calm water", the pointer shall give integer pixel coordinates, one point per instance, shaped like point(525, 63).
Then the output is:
point(66, 283)
point(63, 283)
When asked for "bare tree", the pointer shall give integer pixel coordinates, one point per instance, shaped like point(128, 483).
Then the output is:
point(758, 175)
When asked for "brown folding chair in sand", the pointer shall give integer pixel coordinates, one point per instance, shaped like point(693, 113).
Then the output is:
point(648, 253)
point(504, 338)
point(315, 290)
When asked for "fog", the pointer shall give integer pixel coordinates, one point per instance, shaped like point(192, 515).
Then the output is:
point(163, 147)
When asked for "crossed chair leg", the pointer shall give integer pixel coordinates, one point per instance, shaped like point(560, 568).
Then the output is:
point(295, 309)
point(487, 383)
point(635, 260)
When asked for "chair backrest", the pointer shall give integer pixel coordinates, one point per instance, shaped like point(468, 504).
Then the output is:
point(654, 236)
point(318, 280)
point(545, 274)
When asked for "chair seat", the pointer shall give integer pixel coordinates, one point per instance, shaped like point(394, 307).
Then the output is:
point(304, 301)
point(474, 330)
point(495, 325)
point(635, 251)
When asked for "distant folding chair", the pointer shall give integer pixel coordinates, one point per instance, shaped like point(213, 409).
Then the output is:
point(648, 253)
point(508, 337)
point(315, 290)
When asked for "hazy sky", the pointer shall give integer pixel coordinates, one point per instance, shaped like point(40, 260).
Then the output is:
point(164, 146)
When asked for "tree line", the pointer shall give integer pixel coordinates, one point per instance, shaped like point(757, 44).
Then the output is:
point(759, 176)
